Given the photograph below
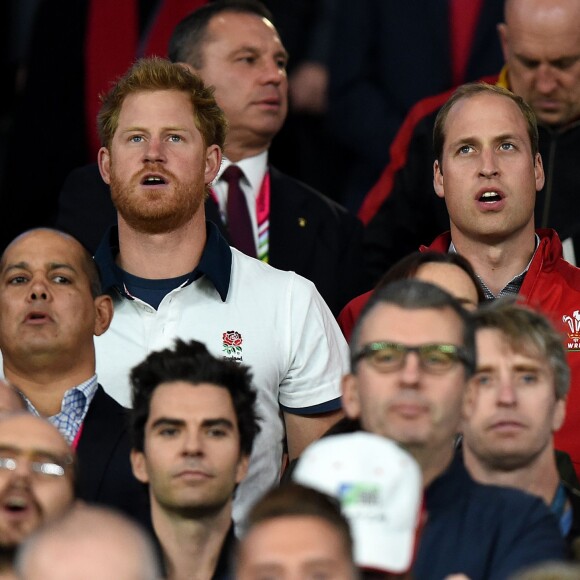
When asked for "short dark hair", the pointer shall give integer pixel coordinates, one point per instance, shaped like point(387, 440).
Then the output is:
point(87, 261)
point(525, 329)
point(185, 44)
point(192, 363)
point(293, 499)
point(408, 267)
point(412, 294)
point(470, 90)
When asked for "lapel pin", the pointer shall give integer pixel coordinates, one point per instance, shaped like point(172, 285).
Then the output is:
point(302, 222)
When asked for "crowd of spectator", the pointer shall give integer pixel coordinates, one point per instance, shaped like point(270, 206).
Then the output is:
point(212, 370)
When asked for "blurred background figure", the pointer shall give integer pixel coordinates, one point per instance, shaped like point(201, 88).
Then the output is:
point(93, 543)
point(37, 480)
point(296, 532)
point(379, 487)
point(550, 571)
point(450, 271)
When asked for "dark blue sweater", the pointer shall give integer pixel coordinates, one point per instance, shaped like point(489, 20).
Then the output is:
point(482, 531)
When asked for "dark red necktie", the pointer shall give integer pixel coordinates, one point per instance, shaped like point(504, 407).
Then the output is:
point(239, 222)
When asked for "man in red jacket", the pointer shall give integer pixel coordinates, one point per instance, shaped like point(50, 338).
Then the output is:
point(488, 170)
point(541, 48)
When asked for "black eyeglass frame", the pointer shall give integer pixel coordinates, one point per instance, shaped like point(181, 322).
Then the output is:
point(458, 353)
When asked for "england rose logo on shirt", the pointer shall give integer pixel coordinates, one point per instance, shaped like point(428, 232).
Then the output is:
point(232, 344)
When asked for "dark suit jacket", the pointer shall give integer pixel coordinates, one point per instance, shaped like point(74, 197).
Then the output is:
point(309, 233)
point(104, 474)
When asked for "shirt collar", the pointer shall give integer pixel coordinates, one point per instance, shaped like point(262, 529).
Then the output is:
point(74, 407)
point(254, 169)
point(88, 389)
point(215, 262)
point(514, 285)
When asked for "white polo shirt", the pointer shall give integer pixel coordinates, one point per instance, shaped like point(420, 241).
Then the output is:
point(273, 321)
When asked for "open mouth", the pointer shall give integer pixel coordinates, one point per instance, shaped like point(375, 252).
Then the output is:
point(16, 504)
point(36, 317)
point(153, 180)
point(490, 197)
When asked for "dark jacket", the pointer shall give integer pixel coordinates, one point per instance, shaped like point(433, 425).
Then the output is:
point(104, 474)
point(482, 531)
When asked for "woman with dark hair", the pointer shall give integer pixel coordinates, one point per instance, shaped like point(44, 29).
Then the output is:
point(450, 271)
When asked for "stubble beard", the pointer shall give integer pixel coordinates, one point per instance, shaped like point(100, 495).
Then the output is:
point(201, 508)
point(157, 211)
point(500, 458)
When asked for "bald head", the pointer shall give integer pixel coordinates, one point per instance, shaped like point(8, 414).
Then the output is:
point(51, 308)
point(91, 543)
point(541, 45)
point(86, 260)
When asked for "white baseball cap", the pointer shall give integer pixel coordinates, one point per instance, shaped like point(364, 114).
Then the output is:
point(380, 490)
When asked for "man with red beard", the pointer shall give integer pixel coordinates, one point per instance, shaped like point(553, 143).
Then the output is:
point(172, 275)
point(235, 48)
point(36, 480)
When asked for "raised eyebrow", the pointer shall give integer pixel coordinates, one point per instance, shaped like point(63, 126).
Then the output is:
point(527, 368)
point(146, 131)
point(484, 369)
point(36, 454)
point(17, 266)
point(282, 54)
point(507, 137)
point(41, 455)
point(60, 266)
point(565, 61)
point(167, 422)
point(9, 449)
point(174, 130)
point(463, 141)
point(528, 61)
point(218, 422)
point(134, 129)
point(246, 48)
point(51, 266)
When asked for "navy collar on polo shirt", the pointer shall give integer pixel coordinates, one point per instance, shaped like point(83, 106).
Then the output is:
point(215, 262)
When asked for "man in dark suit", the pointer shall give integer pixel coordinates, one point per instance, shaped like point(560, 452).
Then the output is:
point(234, 47)
point(50, 310)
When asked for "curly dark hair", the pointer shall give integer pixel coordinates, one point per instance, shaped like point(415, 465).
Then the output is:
point(192, 363)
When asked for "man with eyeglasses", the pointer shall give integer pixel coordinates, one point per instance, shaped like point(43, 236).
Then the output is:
point(37, 480)
point(412, 352)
